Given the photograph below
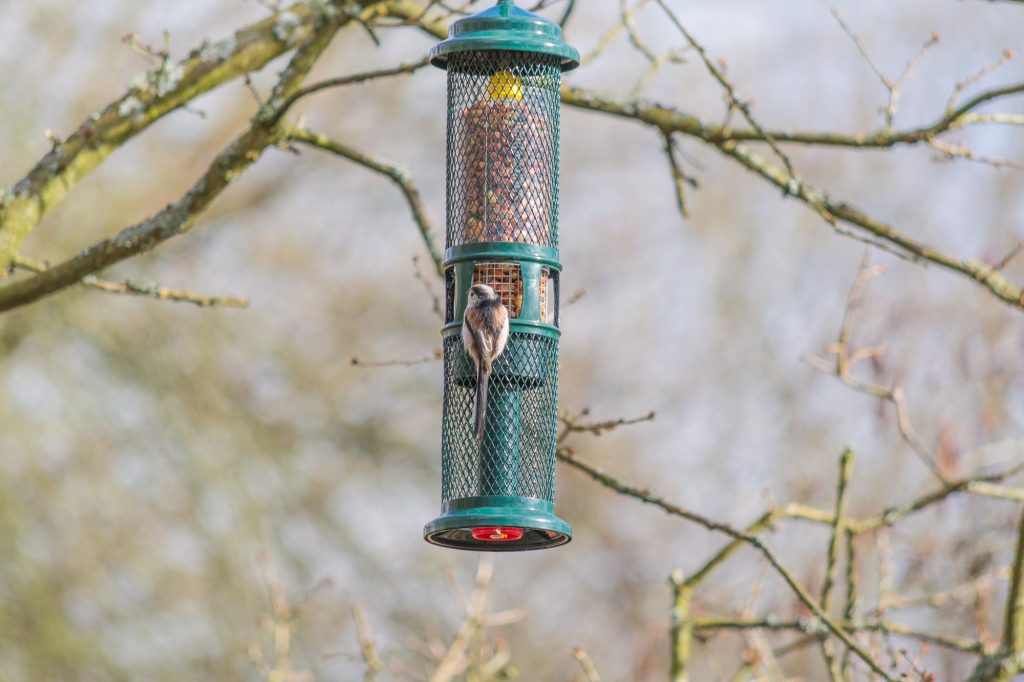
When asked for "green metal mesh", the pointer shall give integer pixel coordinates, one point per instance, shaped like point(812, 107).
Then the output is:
point(503, 112)
point(517, 453)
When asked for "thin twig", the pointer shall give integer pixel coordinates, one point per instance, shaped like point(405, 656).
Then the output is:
point(137, 288)
point(573, 424)
point(398, 174)
point(1005, 57)
point(846, 358)
point(566, 455)
point(832, 556)
point(180, 216)
point(894, 87)
point(1013, 621)
point(404, 68)
point(730, 90)
point(373, 661)
point(428, 287)
point(681, 635)
point(1008, 258)
point(679, 179)
point(435, 356)
point(587, 665)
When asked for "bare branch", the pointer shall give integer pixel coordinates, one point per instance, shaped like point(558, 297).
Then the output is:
point(1006, 56)
point(681, 637)
point(831, 558)
point(572, 424)
point(587, 665)
point(150, 97)
point(1008, 258)
point(727, 85)
point(428, 287)
point(435, 356)
point(679, 179)
point(895, 87)
point(137, 288)
point(179, 217)
point(566, 455)
point(371, 658)
point(398, 175)
point(356, 78)
point(809, 626)
point(575, 296)
point(1013, 622)
point(960, 150)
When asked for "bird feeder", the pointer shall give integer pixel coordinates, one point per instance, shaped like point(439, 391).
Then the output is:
point(504, 70)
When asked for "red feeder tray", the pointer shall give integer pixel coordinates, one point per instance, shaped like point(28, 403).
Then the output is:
point(497, 534)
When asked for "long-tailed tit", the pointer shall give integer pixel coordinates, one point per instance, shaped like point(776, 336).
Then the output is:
point(484, 334)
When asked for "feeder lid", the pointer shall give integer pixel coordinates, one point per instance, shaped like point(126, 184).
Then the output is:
point(508, 28)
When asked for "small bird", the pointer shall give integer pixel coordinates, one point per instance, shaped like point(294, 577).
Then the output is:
point(484, 334)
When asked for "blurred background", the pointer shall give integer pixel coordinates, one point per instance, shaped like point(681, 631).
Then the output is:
point(164, 468)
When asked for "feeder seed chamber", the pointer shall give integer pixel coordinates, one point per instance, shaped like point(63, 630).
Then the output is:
point(504, 70)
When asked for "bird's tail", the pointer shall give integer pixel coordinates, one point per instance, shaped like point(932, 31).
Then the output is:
point(482, 379)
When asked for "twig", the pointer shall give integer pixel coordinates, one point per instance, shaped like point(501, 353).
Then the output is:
point(580, 293)
point(1013, 622)
point(435, 300)
point(404, 68)
point(574, 425)
point(1008, 258)
point(846, 358)
point(608, 37)
point(587, 665)
point(1006, 56)
point(850, 607)
point(810, 626)
point(136, 288)
point(895, 87)
point(566, 455)
point(679, 179)
point(435, 356)
point(962, 151)
point(834, 212)
point(371, 658)
point(179, 217)
point(398, 175)
point(681, 636)
point(730, 90)
point(452, 662)
point(831, 557)
point(149, 98)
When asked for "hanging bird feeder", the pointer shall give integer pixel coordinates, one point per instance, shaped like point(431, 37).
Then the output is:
point(504, 70)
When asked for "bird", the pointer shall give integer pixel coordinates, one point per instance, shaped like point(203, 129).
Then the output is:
point(484, 334)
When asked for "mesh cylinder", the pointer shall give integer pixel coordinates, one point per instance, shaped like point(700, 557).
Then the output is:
point(503, 148)
point(502, 230)
point(516, 455)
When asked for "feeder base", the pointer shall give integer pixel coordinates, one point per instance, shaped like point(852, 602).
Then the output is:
point(498, 523)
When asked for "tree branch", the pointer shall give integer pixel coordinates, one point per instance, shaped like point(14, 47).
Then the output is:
point(180, 216)
point(681, 637)
point(832, 556)
point(399, 175)
point(136, 288)
point(566, 455)
point(151, 96)
point(1013, 623)
point(667, 120)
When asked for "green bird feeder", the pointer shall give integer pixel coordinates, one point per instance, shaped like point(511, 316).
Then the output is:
point(504, 70)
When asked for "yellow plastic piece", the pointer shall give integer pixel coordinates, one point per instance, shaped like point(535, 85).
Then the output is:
point(505, 85)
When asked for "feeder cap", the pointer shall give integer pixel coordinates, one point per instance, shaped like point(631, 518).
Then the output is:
point(508, 28)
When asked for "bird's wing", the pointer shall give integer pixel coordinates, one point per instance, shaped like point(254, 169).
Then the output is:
point(483, 349)
point(502, 337)
point(469, 341)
